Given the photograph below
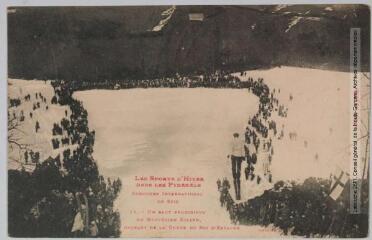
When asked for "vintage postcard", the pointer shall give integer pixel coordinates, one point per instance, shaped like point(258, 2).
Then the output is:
point(189, 121)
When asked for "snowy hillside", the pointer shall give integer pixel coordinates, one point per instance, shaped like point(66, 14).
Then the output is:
point(318, 118)
point(37, 109)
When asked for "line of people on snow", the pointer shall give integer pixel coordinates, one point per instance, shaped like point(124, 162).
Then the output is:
point(54, 208)
point(218, 79)
point(102, 220)
point(257, 145)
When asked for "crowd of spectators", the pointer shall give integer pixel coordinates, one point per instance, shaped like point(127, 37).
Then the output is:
point(65, 196)
point(302, 209)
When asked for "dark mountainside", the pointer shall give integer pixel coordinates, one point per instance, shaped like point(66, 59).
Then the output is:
point(99, 44)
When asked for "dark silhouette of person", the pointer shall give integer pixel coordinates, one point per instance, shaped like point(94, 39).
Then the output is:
point(237, 156)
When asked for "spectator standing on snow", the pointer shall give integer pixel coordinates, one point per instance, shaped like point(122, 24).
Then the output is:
point(37, 126)
point(26, 157)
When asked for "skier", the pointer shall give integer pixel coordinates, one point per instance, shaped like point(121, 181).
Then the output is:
point(237, 156)
point(37, 126)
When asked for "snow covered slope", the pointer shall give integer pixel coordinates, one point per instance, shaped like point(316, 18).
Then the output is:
point(319, 115)
point(26, 134)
